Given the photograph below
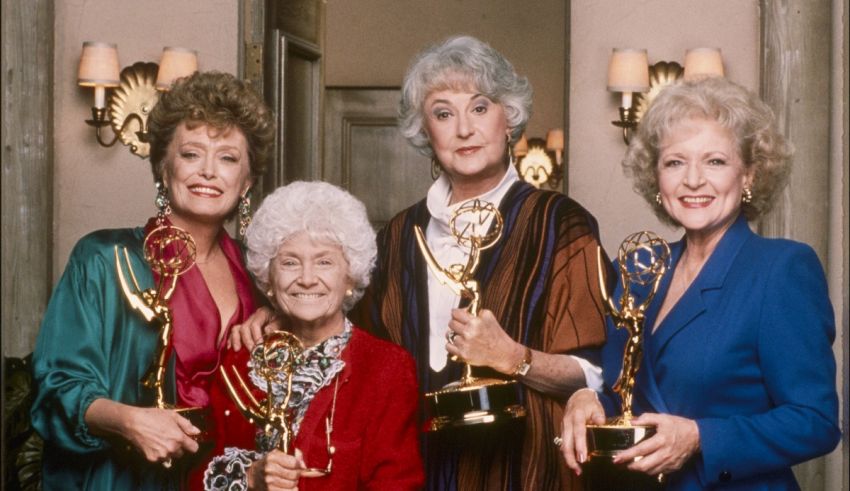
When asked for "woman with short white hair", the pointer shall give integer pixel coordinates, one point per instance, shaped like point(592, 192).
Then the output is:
point(354, 397)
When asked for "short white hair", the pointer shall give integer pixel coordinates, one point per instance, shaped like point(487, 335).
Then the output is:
point(326, 213)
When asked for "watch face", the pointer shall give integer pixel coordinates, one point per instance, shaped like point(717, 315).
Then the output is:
point(523, 369)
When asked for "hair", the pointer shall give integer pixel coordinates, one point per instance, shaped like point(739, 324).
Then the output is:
point(462, 63)
point(326, 213)
point(764, 150)
point(215, 99)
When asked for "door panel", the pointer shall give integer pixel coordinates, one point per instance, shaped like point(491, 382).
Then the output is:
point(365, 153)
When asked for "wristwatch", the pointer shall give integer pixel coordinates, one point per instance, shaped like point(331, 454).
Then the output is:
point(524, 365)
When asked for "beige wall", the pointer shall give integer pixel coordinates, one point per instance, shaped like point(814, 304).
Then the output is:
point(666, 29)
point(98, 187)
point(371, 42)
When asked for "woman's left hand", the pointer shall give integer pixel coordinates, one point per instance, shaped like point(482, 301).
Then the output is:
point(675, 441)
point(481, 341)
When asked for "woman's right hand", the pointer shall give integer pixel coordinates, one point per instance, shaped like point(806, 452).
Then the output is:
point(276, 470)
point(251, 332)
point(159, 434)
point(583, 407)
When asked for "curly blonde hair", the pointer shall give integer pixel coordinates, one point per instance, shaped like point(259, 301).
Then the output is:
point(216, 99)
point(764, 150)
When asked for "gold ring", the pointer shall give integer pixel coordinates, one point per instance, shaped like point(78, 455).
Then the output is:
point(558, 441)
point(167, 463)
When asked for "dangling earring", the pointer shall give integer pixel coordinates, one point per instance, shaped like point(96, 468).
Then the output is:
point(436, 169)
point(244, 214)
point(747, 195)
point(658, 197)
point(511, 158)
point(163, 206)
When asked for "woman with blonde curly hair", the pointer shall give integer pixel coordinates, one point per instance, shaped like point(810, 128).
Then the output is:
point(738, 374)
point(211, 137)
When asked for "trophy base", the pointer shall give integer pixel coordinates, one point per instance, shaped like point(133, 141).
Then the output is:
point(606, 441)
point(198, 417)
point(472, 402)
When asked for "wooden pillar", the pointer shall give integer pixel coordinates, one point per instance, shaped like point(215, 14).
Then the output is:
point(796, 75)
point(795, 46)
point(27, 232)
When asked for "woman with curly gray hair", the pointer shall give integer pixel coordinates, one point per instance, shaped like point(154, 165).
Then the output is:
point(464, 105)
point(311, 249)
point(739, 375)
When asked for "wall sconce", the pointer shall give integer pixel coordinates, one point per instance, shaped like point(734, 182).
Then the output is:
point(135, 90)
point(628, 72)
point(540, 161)
point(626, 69)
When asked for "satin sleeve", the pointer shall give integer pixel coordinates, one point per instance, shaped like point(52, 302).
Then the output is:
point(89, 346)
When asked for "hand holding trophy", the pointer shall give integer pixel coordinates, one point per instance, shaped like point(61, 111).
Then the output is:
point(643, 259)
point(170, 251)
point(470, 400)
point(275, 360)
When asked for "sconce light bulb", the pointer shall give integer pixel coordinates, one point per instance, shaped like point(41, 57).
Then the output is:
point(627, 100)
point(99, 96)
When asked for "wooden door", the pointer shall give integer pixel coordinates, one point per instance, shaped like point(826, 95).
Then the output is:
point(365, 153)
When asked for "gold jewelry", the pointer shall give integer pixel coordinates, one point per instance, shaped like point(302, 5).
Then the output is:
point(658, 197)
point(349, 292)
point(167, 463)
point(244, 214)
point(436, 169)
point(558, 441)
point(524, 365)
point(747, 195)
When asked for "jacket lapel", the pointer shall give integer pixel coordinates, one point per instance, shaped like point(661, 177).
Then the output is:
point(711, 277)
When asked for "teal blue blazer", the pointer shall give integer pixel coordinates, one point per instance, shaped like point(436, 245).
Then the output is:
point(746, 353)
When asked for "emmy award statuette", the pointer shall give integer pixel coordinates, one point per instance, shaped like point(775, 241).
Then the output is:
point(275, 361)
point(470, 400)
point(170, 252)
point(643, 259)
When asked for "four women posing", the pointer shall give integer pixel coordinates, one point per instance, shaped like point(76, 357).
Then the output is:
point(738, 373)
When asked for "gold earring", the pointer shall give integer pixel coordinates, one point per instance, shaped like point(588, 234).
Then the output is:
point(349, 292)
point(747, 195)
point(658, 197)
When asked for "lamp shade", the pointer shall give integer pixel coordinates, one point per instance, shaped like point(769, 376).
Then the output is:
point(555, 139)
point(628, 70)
point(175, 63)
point(703, 62)
point(98, 65)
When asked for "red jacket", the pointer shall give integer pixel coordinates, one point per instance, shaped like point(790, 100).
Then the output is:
point(374, 426)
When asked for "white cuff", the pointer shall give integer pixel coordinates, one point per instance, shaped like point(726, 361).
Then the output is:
point(592, 373)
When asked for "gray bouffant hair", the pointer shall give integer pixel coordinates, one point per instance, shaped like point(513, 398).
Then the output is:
point(326, 213)
point(763, 149)
point(462, 63)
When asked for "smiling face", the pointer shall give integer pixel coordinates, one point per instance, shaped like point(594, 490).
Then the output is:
point(701, 176)
point(468, 133)
point(309, 279)
point(206, 172)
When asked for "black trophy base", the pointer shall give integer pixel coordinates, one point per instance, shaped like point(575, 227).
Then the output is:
point(197, 416)
point(473, 402)
point(606, 441)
